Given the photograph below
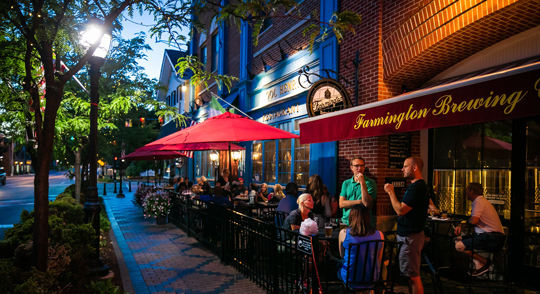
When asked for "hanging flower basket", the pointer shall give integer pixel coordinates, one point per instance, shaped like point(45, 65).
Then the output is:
point(157, 205)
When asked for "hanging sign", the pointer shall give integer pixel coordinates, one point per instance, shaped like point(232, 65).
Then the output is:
point(325, 96)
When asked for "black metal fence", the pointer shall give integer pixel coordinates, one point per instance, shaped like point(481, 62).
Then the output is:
point(280, 261)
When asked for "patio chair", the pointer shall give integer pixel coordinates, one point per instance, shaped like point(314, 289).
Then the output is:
point(376, 274)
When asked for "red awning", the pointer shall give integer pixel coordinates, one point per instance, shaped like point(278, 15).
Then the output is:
point(505, 94)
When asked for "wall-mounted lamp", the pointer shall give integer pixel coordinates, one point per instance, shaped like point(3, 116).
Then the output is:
point(184, 88)
point(214, 156)
point(235, 156)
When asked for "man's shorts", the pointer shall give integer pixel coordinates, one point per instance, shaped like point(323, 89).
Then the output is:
point(411, 254)
point(492, 242)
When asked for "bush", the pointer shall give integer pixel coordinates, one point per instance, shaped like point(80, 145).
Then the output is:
point(104, 287)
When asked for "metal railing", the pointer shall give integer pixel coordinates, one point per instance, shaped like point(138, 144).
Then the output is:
point(280, 261)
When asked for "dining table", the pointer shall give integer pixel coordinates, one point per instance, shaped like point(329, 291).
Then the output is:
point(442, 234)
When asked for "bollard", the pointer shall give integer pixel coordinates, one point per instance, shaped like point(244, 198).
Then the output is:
point(115, 188)
point(129, 186)
point(104, 189)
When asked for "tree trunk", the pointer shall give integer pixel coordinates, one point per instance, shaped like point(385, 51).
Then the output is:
point(78, 175)
point(45, 139)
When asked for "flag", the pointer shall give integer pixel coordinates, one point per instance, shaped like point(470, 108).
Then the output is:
point(215, 108)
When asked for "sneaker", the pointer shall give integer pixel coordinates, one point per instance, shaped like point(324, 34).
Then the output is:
point(482, 270)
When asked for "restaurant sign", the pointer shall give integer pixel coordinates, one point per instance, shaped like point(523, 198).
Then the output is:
point(325, 96)
point(497, 97)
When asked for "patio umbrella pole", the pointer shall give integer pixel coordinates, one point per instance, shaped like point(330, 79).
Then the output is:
point(155, 170)
point(230, 163)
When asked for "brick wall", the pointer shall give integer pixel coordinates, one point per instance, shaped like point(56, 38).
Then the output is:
point(279, 26)
point(233, 52)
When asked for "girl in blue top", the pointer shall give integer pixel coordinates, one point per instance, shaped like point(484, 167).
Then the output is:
point(359, 230)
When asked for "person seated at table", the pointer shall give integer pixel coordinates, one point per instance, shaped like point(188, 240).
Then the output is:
point(182, 187)
point(239, 189)
point(197, 189)
point(487, 226)
point(218, 197)
point(254, 191)
point(177, 181)
point(263, 193)
point(288, 203)
point(321, 208)
point(224, 181)
point(206, 188)
point(186, 180)
point(297, 216)
point(359, 230)
point(278, 194)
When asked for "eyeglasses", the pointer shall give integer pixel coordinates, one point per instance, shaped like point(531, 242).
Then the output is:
point(357, 165)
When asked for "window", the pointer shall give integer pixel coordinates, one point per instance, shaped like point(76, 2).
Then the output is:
point(168, 100)
point(215, 52)
point(290, 157)
point(203, 57)
point(472, 153)
point(173, 98)
point(270, 161)
point(267, 23)
point(203, 164)
point(301, 163)
point(256, 157)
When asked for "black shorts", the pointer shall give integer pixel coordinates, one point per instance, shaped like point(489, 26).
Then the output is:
point(492, 242)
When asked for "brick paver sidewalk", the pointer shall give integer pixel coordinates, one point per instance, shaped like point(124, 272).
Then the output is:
point(162, 259)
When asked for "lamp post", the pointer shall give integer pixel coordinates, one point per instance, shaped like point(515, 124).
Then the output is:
point(92, 207)
point(120, 192)
point(214, 158)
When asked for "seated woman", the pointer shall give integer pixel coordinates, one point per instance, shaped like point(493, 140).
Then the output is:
point(197, 189)
point(278, 194)
point(359, 230)
point(206, 188)
point(321, 209)
point(263, 192)
point(297, 216)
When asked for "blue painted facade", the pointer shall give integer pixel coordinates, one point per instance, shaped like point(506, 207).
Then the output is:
point(275, 97)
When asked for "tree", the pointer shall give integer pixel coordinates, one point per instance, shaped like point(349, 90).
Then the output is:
point(38, 35)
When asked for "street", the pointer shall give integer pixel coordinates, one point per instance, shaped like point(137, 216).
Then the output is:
point(18, 194)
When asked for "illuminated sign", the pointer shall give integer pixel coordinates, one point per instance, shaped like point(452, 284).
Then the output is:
point(326, 96)
point(284, 111)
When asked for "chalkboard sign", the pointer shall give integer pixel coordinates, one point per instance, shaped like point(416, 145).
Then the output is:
point(399, 149)
point(304, 244)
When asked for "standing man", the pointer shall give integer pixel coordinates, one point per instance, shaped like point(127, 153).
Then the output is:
point(357, 190)
point(412, 214)
point(487, 226)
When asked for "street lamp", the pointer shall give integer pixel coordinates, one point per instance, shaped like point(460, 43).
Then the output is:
point(120, 192)
point(92, 207)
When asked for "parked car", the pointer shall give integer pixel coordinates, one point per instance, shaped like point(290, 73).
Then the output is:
point(2, 176)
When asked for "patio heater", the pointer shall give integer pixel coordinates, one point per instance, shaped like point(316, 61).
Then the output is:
point(92, 207)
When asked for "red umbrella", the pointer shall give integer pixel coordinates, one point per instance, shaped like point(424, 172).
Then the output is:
point(191, 147)
point(153, 155)
point(227, 127)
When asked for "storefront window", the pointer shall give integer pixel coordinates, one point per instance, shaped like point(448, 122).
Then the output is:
point(301, 163)
point(257, 162)
point(291, 158)
point(472, 153)
point(532, 195)
point(270, 161)
point(203, 164)
point(284, 161)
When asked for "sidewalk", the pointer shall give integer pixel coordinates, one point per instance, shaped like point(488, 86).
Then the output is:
point(162, 259)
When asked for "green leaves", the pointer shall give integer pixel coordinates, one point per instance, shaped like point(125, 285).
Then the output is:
point(190, 64)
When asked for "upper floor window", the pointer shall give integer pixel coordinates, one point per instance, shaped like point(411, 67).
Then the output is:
point(173, 98)
point(215, 52)
point(203, 57)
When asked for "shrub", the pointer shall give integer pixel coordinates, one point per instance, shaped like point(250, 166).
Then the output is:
point(104, 287)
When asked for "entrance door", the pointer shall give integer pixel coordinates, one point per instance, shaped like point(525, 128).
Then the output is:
point(531, 260)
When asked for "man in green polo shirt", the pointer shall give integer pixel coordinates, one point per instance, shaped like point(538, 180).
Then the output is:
point(358, 190)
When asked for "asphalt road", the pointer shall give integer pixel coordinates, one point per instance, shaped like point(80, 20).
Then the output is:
point(18, 194)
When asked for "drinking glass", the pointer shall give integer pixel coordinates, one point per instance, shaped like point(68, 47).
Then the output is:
point(342, 226)
point(328, 229)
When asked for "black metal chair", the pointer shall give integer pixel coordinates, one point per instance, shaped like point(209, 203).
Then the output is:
point(377, 273)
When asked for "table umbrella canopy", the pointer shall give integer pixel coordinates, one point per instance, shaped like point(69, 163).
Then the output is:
point(227, 127)
point(153, 155)
point(191, 147)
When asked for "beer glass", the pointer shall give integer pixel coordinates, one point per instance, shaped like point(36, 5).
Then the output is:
point(328, 229)
point(342, 226)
